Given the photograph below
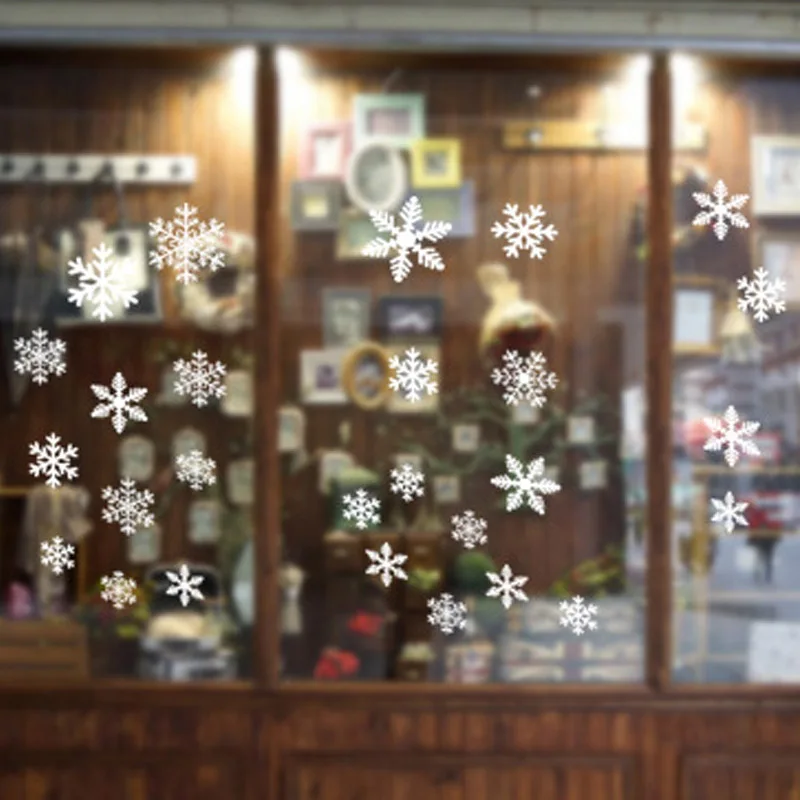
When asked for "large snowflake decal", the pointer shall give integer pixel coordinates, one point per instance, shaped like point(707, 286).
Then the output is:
point(720, 211)
point(577, 616)
point(732, 436)
point(408, 240)
point(187, 245)
point(407, 482)
point(128, 506)
point(523, 230)
point(196, 470)
point(524, 378)
point(469, 529)
point(387, 564)
point(447, 614)
point(762, 295)
point(413, 375)
point(506, 586)
point(183, 585)
point(40, 357)
point(103, 283)
point(119, 402)
point(729, 512)
point(57, 554)
point(53, 460)
point(525, 484)
point(199, 378)
point(118, 590)
point(362, 508)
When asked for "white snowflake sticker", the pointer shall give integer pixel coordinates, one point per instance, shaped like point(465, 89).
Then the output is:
point(119, 402)
point(53, 460)
point(413, 376)
point(387, 564)
point(183, 585)
point(408, 240)
point(506, 586)
point(129, 506)
point(199, 378)
point(57, 554)
point(196, 470)
point(118, 590)
point(407, 482)
point(447, 613)
point(103, 283)
point(524, 378)
point(577, 616)
point(525, 484)
point(523, 230)
point(362, 508)
point(187, 245)
point(732, 436)
point(762, 295)
point(729, 512)
point(40, 357)
point(720, 211)
point(469, 529)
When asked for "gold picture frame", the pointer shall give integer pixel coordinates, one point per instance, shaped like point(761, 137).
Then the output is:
point(436, 164)
point(365, 375)
point(698, 307)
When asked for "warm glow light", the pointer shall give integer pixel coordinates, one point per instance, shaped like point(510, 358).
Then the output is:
point(289, 63)
point(638, 67)
point(686, 76)
point(242, 65)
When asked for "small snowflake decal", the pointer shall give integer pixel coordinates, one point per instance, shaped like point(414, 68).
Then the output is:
point(407, 482)
point(577, 616)
point(469, 529)
point(103, 283)
point(118, 590)
point(187, 245)
point(196, 470)
point(199, 378)
point(525, 484)
point(53, 460)
point(729, 512)
point(507, 587)
point(40, 357)
point(524, 378)
point(387, 564)
point(362, 508)
point(732, 436)
point(408, 240)
point(447, 614)
point(128, 506)
point(523, 230)
point(762, 295)
point(413, 376)
point(184, 585)
point(719, 210)
point(57, 555)
point(119, 403)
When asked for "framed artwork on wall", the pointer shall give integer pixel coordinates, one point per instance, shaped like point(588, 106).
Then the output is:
point(321, 377)
point(697, 312)
point(345, 316)
point(365, 375)
point(325, 150)
point(395, 120)
point(316, 205)
point(410, 316)
point(377, 179)
point(355, 232)
point(779, 254)
point(775, 175)
point(456, 206)
point(436, 164)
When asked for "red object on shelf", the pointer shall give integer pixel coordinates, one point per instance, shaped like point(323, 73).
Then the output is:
point(365, 624)
point(334, 664)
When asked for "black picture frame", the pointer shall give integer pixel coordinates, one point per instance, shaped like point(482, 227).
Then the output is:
point(409, 317)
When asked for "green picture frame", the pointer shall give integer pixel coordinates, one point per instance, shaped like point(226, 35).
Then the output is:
point(395, 120)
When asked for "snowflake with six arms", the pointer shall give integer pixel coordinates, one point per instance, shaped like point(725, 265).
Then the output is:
point(408, 240)
point(525, 484)
point(53, 460)
point(103, 282)
point(199, 378)
point(194, 469)
point(119, 402)
point(407, 482)
point(387, 564)
point(577, 616)
point(720, 211)
point(523, 230)
point(128, 506)
point(187, 245)
point(507, 587)
point(183, 585)
point(762, 295)
point(469, 529)
point(413, 375)
point(729, 512)
point(40, 356)
point(362, 508)
point(731, 435)
point(57, 554)
point(524, 378)
point(118, 590)
point(447, 614)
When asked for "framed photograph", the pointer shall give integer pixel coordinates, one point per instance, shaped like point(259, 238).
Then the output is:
point(345, 316)
point(414, 459)
point(428, 403)
point(325, 149)
point(240, 481)
point(376, 179)
point(238, 398)
point(779, 254)
point(593, 475)
point(137, 458)
point(321, 377)
point(316, 205)
point(187, 439)
point(580, 430)
point(291, 429)
point(391, 119)
point(697, 315)
point(456, 206)
point(525, 414)
point(466, 438)
point(410, 316)
point(775, 175)
point(144, 547)
point(436, 164)
point(365, 375)
point(446, 489)
point(204, 521)
point(355, 232)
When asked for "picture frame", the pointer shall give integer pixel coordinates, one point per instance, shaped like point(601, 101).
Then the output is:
point(291, 429)
point(325, 150)
point(187, 439)
point(204, 521)
point(136, 458)
point(436, 163)
point(428, 403)
point(466, 438)
point(239, 394)
point(240, 481)
point(321, 377)
point(446, 489)
point(315, 205)
point(391, 119)
point(365, 376)
point(144, 547)
point(356, 230)
point(345, 316)
point(453, 205)
point(779, 254)
point(413, 459)
point(409, 317)
point(775, 176)
point(376, 178)
point(697, 315)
